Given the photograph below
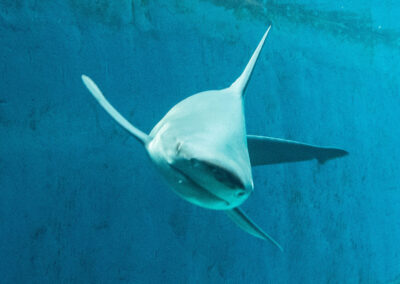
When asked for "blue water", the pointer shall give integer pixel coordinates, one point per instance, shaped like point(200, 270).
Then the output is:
point(80, 201)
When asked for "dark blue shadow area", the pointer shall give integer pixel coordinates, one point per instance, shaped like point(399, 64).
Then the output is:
point(80, 202)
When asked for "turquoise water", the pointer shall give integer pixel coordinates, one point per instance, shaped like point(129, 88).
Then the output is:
point(80, 202)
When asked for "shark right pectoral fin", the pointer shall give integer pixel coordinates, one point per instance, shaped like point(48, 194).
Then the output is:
point(246, 224)
point(94, 89)
point(268, 150)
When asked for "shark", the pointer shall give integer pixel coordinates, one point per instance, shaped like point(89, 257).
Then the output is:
point(204, 153)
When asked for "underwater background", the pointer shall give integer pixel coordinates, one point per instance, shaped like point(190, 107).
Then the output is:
point(80, 202)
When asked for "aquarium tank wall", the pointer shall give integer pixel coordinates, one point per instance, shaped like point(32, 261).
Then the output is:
point(80, 200)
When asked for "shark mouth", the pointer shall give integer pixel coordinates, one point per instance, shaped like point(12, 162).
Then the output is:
point(221, 174)
point(188, 178)
point(205, 174)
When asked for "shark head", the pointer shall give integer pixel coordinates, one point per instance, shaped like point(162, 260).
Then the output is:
point(217, 177)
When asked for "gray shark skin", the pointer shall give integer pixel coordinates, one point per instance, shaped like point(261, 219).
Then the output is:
point(204, 153)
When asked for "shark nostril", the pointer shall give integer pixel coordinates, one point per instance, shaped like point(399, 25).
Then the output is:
point(178, 147)
point(240, 193)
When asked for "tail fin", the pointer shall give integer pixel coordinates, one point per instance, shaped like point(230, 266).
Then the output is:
point(92, 87)
point(241, 83)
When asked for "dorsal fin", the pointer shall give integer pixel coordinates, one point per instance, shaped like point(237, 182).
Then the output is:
point(241, 83)
point(92, 87)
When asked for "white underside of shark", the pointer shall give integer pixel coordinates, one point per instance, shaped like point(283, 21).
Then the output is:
point(204, 153)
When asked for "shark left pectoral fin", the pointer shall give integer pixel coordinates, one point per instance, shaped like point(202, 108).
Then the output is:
point(246, 224)
point(98, 95)
point(268, 150)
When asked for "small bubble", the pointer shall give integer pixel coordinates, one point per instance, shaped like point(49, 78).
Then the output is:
point(180, 181)
point(195, 163)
